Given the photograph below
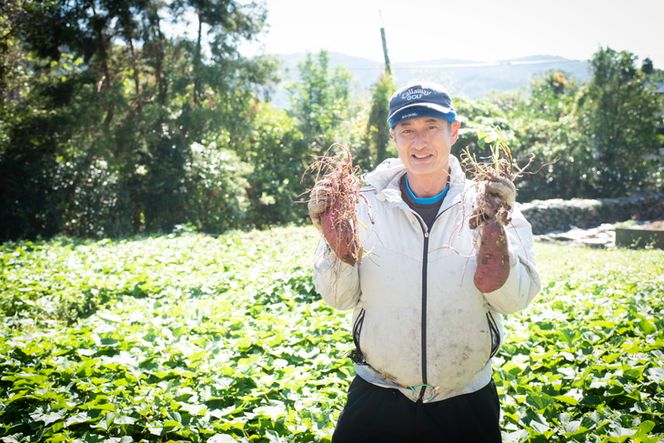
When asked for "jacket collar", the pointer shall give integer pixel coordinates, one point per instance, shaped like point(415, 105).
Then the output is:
point(385, 178)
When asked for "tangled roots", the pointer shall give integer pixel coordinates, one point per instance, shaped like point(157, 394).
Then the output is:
point(338, 178)
point(495, 178)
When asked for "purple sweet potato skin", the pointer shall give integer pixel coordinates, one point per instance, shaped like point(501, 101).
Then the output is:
point(340, 235)
point(493, 264)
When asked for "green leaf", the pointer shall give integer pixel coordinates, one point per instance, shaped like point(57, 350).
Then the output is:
point(124, 420)
point(155, 429)
point(47, 417)
point(539, 401)
point(81, 417)
point(567, 399)
point(273, 411)
point(193, 409)
point(646, 326)
point(656, 374)
point(221, 438)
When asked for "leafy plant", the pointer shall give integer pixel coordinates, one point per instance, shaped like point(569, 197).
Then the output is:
point(191, 337)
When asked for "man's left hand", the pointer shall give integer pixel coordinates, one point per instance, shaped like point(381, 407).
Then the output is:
point(502, 188)
point(496, 199)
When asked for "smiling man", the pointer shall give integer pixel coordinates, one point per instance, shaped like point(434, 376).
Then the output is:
point(424, 148)
point(424, 330)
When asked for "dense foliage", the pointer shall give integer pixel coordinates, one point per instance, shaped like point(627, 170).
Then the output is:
point(590, 141)
point(103, 103)
point(119, 117)
point(616, 109)
point(190, 337)
point(321, 101)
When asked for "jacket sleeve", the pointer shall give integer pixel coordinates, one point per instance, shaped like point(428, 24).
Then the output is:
point(523, 282)
point(337, 282)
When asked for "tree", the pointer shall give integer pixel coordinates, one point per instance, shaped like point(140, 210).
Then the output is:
point(321, 101)
point(542, 125)
point(597, 140)
point(106, 85)
point(279, 156)
point(617, 115)
point(647, 66)
point(378, 131)
point(551, 96)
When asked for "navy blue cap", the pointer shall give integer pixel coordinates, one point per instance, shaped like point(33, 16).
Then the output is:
point(421, 99)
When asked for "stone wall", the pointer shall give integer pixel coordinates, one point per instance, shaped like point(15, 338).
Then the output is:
point(557, 215)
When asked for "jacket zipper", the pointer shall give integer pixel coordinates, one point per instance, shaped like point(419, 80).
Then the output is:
point(425, 265)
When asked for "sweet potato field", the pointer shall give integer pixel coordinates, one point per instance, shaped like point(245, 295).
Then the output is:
point(189, 337)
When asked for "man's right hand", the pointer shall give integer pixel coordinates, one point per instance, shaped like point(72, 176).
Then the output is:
point(318, 202)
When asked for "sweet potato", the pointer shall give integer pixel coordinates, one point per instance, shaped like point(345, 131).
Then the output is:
point(492, 210)
point(493, 263)
point(340, 234)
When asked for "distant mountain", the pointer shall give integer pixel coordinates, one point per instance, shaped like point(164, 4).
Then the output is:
point(473, 79)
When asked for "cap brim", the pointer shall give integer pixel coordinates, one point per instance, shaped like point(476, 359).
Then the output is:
point(435, 107)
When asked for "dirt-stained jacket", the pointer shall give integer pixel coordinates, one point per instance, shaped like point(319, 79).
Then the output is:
point(419, 323)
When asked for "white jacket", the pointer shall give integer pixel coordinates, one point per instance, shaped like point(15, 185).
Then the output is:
point(419, 321)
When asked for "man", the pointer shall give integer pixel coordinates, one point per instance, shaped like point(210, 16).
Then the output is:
point(423, 331)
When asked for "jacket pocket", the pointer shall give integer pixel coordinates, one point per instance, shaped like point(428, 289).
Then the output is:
point(494, 331)
point(357, 356)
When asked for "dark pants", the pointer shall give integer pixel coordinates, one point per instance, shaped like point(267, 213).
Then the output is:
point(379, 415)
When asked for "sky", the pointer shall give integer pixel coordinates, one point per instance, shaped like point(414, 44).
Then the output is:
point(475, 30)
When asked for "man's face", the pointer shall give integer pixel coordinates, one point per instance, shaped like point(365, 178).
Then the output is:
point(424, 145)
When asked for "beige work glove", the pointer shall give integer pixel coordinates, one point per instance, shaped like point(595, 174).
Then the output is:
point(500, 198)
point(318, 201)
point(503, 189)
point(503, 193)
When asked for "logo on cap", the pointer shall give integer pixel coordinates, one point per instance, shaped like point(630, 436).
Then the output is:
point(415, 93)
